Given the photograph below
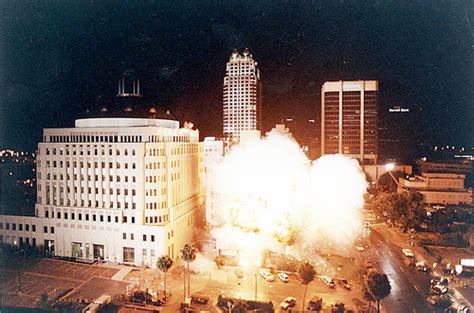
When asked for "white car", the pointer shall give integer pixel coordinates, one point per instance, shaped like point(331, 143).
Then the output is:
point(360, 248)
point(439, 289)
point(283, 277)
point(267, 276)
point(421, 266)
point(328, 281)
point(408, 253)
point(462, 309)
point(288, 303)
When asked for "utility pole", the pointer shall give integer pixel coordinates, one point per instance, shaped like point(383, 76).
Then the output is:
point(255, 291)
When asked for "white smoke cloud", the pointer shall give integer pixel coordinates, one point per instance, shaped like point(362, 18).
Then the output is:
point(270, 196)
point(202, 264)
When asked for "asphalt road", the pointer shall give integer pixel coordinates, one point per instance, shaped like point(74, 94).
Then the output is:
point(410, 288)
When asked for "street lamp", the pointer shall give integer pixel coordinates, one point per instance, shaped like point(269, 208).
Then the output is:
point(389, 167)
point(255, 291)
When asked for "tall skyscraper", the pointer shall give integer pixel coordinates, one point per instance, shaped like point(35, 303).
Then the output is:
point(242, 95)
point(349, 119)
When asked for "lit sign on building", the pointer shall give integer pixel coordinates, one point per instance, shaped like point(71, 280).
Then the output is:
point(398, 109)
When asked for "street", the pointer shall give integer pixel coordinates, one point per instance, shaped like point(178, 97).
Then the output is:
point(409, 287)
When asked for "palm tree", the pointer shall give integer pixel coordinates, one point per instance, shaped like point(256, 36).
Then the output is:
point(378, 285)
point(368, 296)
point(188, 254)
point(307, 273)
point(164, 263)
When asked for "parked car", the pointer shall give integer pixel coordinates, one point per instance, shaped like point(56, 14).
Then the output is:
point(267, 276)
point(345, 283)
point(283, 277)
point(315, 304)
point(408, 253)
point(328, 281)
point(288, 303)
point(421, 266)
point(440, 301)
point(143, 297)
point(199, 299)
point(360, 248)
point(443, 280)
point(369, 264)
point(439, 289)
point(462, 309)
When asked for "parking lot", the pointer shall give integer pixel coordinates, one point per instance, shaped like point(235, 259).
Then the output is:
point(52, 277)
point(229, 282)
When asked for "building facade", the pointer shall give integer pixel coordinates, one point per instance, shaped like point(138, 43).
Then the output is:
point(125, 190)
point(439, 188)
point(214, 152)
point(349, 117)
point(242, 95)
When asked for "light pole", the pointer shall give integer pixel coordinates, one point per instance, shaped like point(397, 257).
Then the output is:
point(255, 291)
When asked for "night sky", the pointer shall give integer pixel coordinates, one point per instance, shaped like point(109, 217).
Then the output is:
point(60, 58)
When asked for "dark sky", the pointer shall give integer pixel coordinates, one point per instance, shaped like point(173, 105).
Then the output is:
point(59, 58)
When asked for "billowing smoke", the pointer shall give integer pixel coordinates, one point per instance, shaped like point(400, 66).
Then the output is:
point(268, 195)
point(201, 264)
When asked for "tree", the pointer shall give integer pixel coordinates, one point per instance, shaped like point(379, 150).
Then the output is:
point(43, 301)
point(188, 254)
point(164, 263)
point(378, 285)
point(415, 212)
point(404, 208)
point(307, 273)
point(368, 296)
point(67, 307)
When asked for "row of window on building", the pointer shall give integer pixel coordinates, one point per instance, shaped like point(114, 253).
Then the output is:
point(86, 217)
point(92, 138)
point(87, 150)
point(83, 203)
point(76, 165)
point(84, 178)
point(118, 191)
point(20, 227)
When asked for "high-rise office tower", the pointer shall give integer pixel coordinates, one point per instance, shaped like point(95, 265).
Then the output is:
point(242, 95)
point(349, 119)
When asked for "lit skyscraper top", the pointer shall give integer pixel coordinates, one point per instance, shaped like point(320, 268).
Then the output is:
point(242, 95)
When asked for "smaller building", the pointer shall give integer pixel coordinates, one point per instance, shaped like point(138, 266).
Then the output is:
point(214, 151)
point(443, 188)
point(249, 135)
point(282, 129)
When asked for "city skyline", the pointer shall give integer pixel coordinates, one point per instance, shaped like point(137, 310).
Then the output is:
point(421, 54)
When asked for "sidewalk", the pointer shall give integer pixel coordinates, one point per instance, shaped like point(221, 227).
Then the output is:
point(120, 275)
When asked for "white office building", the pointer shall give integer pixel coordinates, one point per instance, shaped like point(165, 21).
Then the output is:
point(124, 190)
point(242, 95)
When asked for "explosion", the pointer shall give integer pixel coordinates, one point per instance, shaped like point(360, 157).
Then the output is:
point(270, 197)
